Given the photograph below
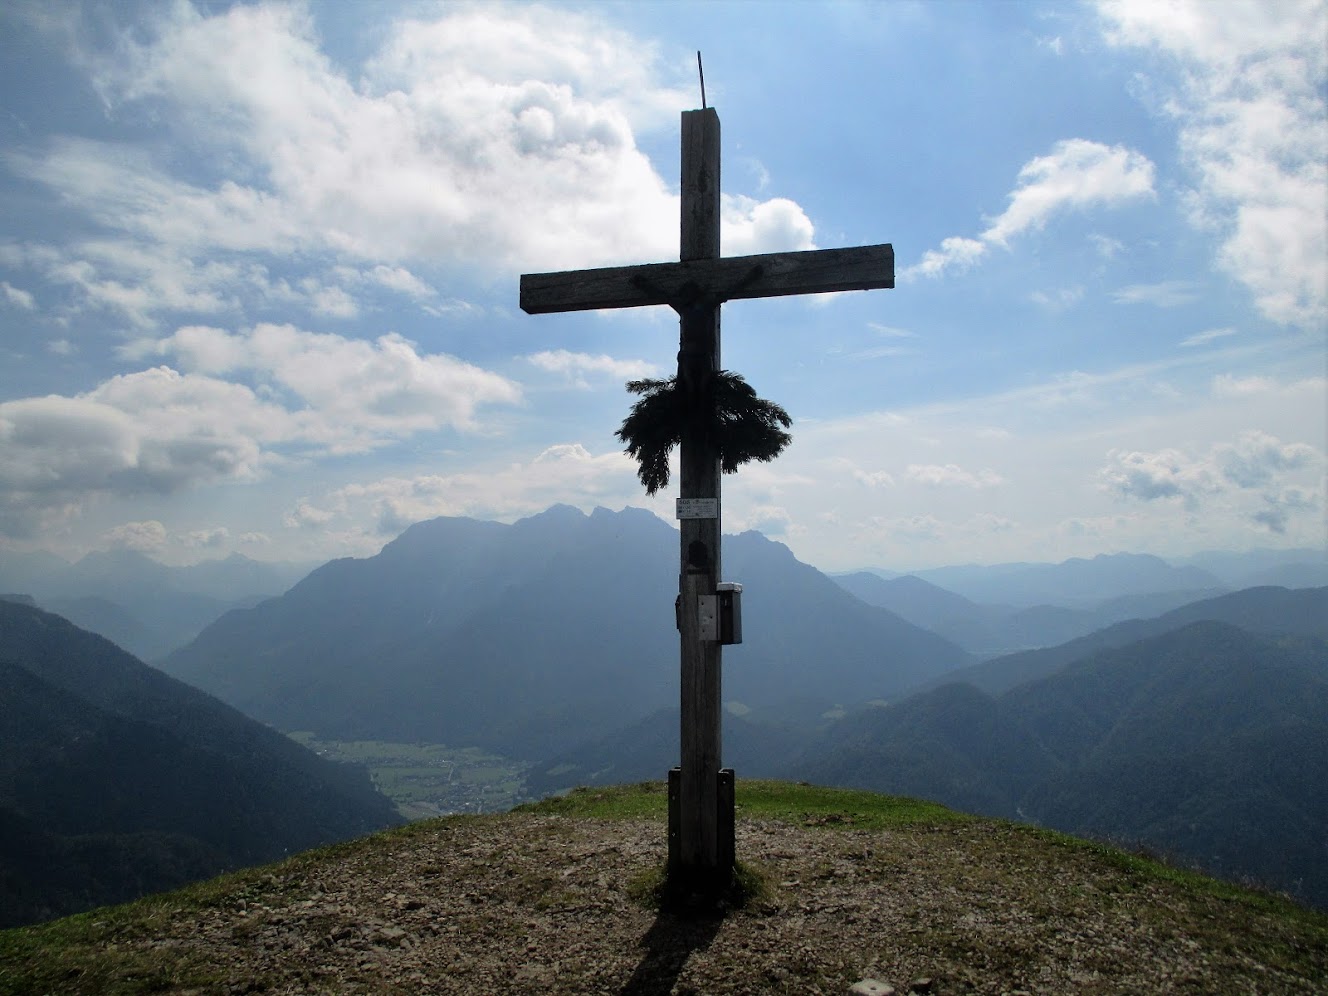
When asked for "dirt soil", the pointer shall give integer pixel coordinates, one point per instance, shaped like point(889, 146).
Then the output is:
point(533, 903)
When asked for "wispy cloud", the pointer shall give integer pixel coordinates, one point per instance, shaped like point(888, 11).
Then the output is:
point(1164, 294)
point(1244, 82)
point(18, 297)
point(575, 366)
point(1076, 174)
point(1205, 337)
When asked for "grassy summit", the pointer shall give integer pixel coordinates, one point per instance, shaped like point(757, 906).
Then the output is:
point(546, 899)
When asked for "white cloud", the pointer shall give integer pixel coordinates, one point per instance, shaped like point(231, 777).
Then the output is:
point(872, 478)
point(1255, 473)
point(575, 366)
point(1076, 173)
point(1207, 336)
point(356, 394)
point(160, 431)
point(749, 226)
point(1057, 300)
point(18, 297)
point(1165, 473)
point(1107, 247)
point(1256, 458)
point(949, 475)
point(1164, 294)
point(143, 537)
point(566, 472)
point(489, 136)
point(1244, 81)
point(401, 280)
point(955, 252)
point(1231, 386)
point(210, 538)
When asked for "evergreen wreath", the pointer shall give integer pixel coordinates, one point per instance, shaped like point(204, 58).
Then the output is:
point(737, 423)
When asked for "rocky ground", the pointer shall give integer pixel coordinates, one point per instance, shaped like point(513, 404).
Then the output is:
point(535, 903)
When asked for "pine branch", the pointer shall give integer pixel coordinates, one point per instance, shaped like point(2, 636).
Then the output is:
point(740, 425)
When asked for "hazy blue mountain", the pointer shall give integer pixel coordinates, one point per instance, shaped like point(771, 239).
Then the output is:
point(1269, 611)
point(1303, 575)
point(116, 779)
point(536, 636)
point(920, 602)
point(1075, 583)
point(1252, 568)
point(115, 622)
point(146, 607)
point(1205, 742)
point(995, 630)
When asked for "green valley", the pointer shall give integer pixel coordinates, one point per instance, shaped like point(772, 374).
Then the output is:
point(426, 780)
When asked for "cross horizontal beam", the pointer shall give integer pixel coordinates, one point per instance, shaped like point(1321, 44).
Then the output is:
point(710, 281)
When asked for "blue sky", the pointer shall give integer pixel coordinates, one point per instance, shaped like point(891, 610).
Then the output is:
point(259, 269)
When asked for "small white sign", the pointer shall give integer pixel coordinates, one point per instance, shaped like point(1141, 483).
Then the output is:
point(697, 508)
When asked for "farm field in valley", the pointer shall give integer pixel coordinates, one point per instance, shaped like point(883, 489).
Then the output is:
point(428, 780)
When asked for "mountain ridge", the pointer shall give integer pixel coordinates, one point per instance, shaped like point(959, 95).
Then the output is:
point(417, 643)
point(116, 778)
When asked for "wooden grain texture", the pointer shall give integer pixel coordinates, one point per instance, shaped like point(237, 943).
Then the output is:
point(700, 799)
point(699, 205)
point(712, 281)
point(699, 539)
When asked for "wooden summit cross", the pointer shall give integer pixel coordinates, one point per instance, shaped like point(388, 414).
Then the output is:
point(700, 795)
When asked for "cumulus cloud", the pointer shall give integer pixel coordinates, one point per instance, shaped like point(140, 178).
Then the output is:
point(142, 537)
point(1256, 472)
point(1256, 458)
point(355, 394)
point(1076, 173)
point(163, 430)
point(210, 538)
point(486, 138)
point(1164, 473)
point(153, 432)
point(1244, 81)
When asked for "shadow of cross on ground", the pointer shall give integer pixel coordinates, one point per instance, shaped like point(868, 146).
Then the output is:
point(668, 944)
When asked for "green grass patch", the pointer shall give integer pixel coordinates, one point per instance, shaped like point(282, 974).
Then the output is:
point(751, 888)
point(800, 804)
point(1144, 869)
point(645, 800)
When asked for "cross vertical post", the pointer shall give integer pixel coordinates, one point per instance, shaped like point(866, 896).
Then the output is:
point(701, 826)
point(696, 858)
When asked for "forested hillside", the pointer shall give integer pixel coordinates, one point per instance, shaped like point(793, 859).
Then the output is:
point(116, 780)
point(1207, 743)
